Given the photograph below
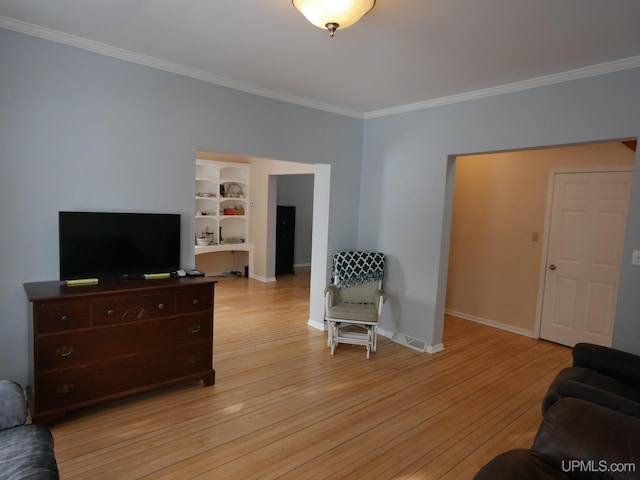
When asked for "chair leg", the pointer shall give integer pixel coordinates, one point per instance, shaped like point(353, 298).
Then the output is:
point(375, 337)
point(333, 334)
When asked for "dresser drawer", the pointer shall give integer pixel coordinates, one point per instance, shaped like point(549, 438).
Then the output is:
point(194, 300)
point(131, 309)
point(65, 350)
point(52, 317)
point(111, 378)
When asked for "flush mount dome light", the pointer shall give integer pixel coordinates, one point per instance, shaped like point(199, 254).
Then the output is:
point(331, 14)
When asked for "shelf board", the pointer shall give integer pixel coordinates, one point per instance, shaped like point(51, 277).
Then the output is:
point(227, 247)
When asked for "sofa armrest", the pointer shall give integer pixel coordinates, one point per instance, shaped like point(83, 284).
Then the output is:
point(562, 388)
point(13, 405)
point(381, 295)
point(614, 363)
point(576, 435)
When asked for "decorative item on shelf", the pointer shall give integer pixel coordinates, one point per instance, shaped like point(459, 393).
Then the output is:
point(207, 237)
point(234, 191)
point(229, 211)
point(233, 240)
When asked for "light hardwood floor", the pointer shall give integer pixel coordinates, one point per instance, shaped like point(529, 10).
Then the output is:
point(283, 407)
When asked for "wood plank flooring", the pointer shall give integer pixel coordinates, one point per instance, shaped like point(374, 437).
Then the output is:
point(283, 407)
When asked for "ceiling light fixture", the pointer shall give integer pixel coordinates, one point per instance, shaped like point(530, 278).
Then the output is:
point(331, 14)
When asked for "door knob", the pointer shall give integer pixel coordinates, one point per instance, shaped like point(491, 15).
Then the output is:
point(552, 267)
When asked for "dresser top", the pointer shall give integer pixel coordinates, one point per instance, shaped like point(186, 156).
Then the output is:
point(59, 289)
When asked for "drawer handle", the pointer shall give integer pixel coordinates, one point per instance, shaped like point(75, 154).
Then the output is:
point(111, 311)
point(65, 389)
point(194, 328)
point(195, 301)
point(161, 306)
point(194, 359)
point(64, 351)
point(64, 318)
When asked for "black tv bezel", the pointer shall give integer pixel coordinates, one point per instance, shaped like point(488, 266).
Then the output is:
point(171, 224)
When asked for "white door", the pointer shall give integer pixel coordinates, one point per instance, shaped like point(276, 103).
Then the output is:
point(584, 254)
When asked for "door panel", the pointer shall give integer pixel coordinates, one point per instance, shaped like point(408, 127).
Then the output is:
point(586, 237)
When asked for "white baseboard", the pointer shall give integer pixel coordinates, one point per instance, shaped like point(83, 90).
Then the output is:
point(317, 325)
point(491, 323)
point(263, 279)
point(385, 333)
point(301, 265)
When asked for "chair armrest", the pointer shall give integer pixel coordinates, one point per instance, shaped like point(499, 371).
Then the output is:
point(331, 295)
point(613, 363)
point(13, 406)
point(580, 431)
point(381, 294)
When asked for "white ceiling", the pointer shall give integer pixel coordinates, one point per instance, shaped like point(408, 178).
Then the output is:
point(404, 54)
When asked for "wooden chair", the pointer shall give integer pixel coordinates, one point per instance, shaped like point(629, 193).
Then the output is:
point(353, 301)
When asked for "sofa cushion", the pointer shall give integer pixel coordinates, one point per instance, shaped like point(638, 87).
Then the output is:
point(26, 452)
point(13, 406)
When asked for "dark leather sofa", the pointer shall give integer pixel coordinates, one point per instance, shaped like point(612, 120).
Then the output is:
point(590, 427)
point(26, 450)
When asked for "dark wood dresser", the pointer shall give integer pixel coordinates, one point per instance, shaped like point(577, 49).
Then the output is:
point(94, 343)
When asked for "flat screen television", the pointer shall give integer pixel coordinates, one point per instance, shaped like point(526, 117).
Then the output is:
point(117, 245)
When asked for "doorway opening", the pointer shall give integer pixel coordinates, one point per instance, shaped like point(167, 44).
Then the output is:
point(294, 222)
point(264, 174)
point(498, 227)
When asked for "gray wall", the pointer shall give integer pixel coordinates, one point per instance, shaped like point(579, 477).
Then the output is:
point(81, 131)
point(409, 164)
point(297, 190)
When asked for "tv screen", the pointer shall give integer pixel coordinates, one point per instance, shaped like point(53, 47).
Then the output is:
point(117, 245)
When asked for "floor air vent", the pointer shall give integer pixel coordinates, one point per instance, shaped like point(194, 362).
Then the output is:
point(410, 342)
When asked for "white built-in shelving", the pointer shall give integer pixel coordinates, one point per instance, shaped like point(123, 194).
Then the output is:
point(221, 206)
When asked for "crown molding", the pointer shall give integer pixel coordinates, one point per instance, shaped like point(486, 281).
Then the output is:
point(108, 50)
point(579, 73)
point(159, 64)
